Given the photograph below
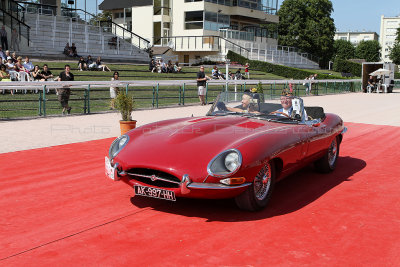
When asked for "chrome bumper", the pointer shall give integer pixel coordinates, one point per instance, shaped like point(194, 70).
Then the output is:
point(186, 185)
point(215, 186)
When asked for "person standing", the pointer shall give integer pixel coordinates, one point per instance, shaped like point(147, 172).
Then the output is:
point(201, 85)
point(114, 90)
point(3, 38)
point(246, 70)
point(65, 92)
point(14, 40)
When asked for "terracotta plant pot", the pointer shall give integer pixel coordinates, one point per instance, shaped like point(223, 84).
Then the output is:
point(126, 126)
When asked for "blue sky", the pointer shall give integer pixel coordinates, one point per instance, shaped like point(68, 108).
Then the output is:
point(353, 15)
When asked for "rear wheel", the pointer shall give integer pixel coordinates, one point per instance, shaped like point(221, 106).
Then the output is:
point(328, 162)
point(257, 196)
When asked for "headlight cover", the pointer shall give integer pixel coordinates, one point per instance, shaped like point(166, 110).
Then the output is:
point(225, 163)
point(117, 146)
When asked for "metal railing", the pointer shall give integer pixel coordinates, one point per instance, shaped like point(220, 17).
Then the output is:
point(108, 27)
point(81, 17)
point(210, 43)
point(36, 8)
point(92, 97)
point(16, 10)
point(13, 22)
point(280, 54)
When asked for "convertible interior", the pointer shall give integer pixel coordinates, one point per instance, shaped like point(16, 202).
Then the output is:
point(313, 112)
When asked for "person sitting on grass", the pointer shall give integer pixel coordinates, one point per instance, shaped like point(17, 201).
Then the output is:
point(177, 69)
point(89, 63)
point(82, 64)
point(46, 73)
point(100, 66)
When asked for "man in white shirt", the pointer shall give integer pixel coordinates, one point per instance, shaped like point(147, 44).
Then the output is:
point(287, 108)
point(28, 65)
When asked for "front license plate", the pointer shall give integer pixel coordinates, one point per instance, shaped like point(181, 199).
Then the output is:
point(109, 169)
point(154, 192)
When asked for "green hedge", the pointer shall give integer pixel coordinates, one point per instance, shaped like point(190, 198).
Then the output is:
point(279, 70)
point(342, 65)
point(397, 75)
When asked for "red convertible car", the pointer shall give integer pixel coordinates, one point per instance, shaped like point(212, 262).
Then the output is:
point(238, 150)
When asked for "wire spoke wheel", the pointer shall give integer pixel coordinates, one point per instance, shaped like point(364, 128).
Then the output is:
point(262, 182)
point(256, 197)
point(332, 152)
point(327, 163)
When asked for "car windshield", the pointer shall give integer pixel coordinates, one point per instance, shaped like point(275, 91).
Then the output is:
point(285, 109)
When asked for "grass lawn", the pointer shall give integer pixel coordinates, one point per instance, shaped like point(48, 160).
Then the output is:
point(141, 72)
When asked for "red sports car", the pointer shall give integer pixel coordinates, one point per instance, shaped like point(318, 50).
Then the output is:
point(238, 150)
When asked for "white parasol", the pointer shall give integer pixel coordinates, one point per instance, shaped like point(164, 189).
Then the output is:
point(380, 72)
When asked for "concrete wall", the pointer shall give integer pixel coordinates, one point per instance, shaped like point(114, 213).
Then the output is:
point(142, 21)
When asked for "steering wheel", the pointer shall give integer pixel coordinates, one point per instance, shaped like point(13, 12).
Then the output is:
point(281, 113)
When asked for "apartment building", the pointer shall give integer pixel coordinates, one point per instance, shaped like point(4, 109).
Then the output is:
point(356, 37)
point(389, 26)
point(193, 29)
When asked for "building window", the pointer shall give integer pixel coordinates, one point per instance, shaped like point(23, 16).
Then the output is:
point(215, 21)
point(193, 20)
point(186, 1)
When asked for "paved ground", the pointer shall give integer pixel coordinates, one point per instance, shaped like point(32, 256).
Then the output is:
point(58, 209)
point(380, 109)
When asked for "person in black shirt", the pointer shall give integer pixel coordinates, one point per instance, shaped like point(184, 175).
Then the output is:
point(201, 84)
point(64, 93)
point(46, 74)
point(82, 64)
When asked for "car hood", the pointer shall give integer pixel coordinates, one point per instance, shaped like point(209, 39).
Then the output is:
point(187, 145)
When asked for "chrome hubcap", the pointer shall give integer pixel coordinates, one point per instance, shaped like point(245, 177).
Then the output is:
point(332, 153)
point(262, 182)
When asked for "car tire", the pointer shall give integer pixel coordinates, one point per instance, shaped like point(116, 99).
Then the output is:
point(327, 163)
point(257, 195)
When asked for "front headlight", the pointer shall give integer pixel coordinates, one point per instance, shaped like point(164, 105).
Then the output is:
point(117, 146)
point(225, 163)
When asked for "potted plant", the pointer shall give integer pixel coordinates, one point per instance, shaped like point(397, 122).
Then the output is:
point(125, 105)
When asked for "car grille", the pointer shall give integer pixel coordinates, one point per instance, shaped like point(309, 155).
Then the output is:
point(154, 177)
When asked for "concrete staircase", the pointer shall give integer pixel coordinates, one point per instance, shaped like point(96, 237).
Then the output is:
point(49, 35)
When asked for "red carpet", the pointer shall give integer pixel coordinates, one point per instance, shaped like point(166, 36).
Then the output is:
point(57, 208)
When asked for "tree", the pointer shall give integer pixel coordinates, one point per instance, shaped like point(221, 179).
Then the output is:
point(343, 49)
point(307, 25)
point(102, 16)
point(395, 50)
point(369, 50)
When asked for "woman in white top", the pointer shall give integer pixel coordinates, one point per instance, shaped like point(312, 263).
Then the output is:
point(114, 90)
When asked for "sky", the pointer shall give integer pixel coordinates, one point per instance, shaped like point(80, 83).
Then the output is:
point(349, 15)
